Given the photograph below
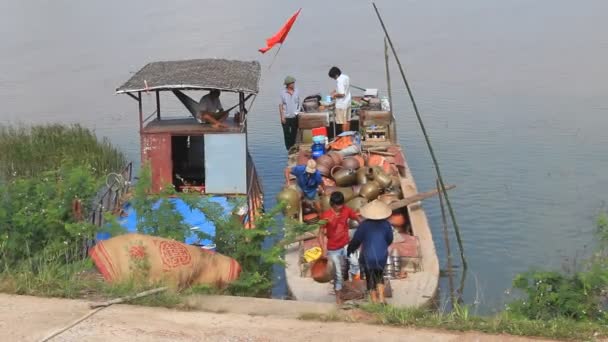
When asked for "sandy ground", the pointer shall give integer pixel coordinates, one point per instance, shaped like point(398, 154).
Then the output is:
point(32, 319)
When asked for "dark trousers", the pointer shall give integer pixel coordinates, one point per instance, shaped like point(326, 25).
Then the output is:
point(373, 277)
point(290, 131)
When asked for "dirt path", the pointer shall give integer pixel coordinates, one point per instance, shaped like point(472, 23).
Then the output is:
point(31, 319)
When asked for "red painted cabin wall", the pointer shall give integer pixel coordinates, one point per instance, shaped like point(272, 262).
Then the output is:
point(157, 151)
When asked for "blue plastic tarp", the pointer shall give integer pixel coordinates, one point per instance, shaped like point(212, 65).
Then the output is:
point(193, 218)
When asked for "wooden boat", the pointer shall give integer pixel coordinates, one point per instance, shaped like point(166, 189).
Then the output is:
point(192, 156)
point(417, 254)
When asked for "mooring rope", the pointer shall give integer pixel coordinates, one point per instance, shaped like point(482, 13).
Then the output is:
point(426, 138)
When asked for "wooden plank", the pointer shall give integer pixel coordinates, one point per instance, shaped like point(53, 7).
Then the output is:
point(417, 197)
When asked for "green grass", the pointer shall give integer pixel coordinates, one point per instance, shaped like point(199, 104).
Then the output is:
point(504, 323)
point(29, 151)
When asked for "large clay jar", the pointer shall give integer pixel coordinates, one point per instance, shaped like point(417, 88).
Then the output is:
point(370, 190)
point(325, 204)
point(382, 178)
point(347, 191)
point(356, 203)
point(324, 170)
point(351, 163)
point(360, 159)
point(326, 161)
point(343, 176)
point(362, 175)
point(336, 157)
point(291, 197)
point(375, 160)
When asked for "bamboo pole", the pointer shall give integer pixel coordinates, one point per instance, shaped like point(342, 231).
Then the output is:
point(446, 240)
point(426, 138)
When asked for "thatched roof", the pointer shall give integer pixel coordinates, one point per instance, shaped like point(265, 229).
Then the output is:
point(227, 75)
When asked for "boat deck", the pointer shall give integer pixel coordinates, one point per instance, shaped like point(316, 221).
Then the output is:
point(189, 126)
point(418, 289)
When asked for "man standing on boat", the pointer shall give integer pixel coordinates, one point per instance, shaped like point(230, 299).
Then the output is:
point(335, 230)
point(211, 110)
point(342, 97)
point(289, 108)
point(309, 181)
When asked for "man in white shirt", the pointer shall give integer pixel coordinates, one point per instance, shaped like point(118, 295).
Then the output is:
point(211, 111)
point(342, 97)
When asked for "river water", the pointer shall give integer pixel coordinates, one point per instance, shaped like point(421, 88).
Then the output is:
point(513, 94)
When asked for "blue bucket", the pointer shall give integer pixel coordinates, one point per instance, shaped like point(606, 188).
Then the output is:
point(317, 150)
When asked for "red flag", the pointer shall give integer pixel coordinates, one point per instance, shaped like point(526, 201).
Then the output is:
point(280, 36)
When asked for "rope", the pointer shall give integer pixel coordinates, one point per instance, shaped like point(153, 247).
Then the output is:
point(426, 138)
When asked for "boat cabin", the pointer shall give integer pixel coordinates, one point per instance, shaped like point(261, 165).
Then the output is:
point(181, 150)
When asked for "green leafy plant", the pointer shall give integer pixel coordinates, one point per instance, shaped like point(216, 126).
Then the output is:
point(578, 296)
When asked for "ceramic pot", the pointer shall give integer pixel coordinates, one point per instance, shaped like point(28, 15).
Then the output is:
point(356, 203)
point(325, 204)
point(356, 189)
point(347, 191)
point(351, 163)
point(360, 159)
point(326, 161)
point(370, 190)
point(362, 175)
point(384, 180)
point(336, 157)
point(292, 199)
point(343, 176)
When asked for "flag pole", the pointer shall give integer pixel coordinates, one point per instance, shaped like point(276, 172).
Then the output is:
point(275, 56)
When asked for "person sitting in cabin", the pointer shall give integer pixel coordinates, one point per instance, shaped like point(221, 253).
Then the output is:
point(309, 181)
point(335, 232)
point(211, 111)
point(375, 235)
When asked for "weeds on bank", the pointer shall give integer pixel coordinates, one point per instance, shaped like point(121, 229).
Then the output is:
point(30, 151)
point(460, 320)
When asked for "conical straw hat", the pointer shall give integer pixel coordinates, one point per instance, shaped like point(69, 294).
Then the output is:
point(376, 210)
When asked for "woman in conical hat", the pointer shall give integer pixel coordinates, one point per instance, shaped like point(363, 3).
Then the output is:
point(374, 234)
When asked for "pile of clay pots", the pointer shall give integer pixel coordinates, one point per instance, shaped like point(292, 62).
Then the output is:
point(360, 178)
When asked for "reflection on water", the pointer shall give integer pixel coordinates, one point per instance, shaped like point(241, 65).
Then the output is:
point(512, 93)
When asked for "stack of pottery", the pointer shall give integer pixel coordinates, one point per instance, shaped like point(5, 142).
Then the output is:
point(361, 179)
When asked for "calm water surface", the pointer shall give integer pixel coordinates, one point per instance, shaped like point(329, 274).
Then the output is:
point(513, 94)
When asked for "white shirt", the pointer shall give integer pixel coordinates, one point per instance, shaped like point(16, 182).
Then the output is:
point(343, 87)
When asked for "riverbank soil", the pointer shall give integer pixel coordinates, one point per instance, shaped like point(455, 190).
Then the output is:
point(25, 318)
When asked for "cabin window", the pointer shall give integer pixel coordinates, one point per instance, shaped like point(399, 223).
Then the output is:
point(226, 163)
point(188, 156)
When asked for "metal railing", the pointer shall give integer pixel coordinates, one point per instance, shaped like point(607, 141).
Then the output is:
point(109, 199)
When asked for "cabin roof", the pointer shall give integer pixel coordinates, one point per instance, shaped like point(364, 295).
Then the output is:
point(222, 74)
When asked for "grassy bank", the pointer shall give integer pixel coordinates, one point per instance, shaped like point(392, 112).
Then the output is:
point(31, 151)
point(460, 320)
